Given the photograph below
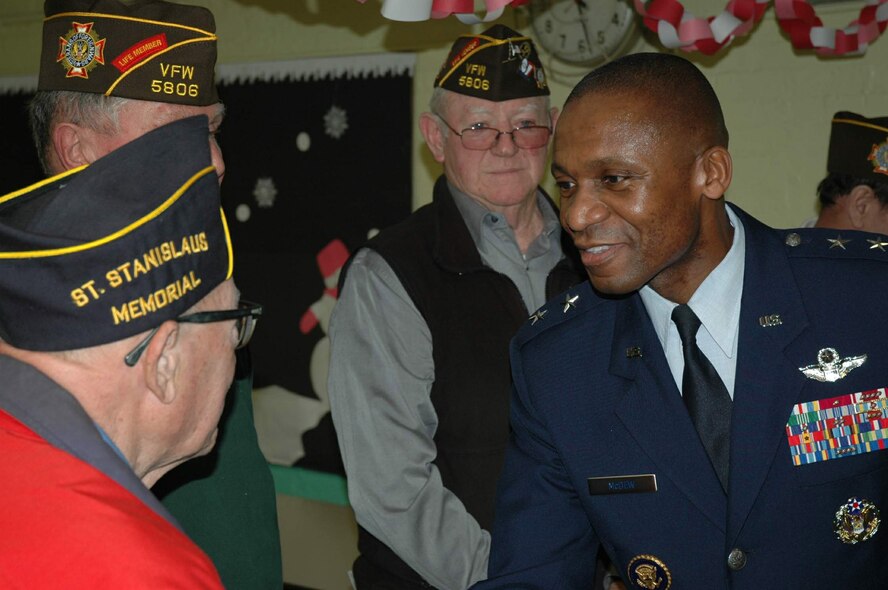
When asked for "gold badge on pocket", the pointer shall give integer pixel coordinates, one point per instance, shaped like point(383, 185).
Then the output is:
point(649, 572)
point(856, 520)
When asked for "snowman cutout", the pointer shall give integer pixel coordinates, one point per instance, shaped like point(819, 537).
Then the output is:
point(282, 416)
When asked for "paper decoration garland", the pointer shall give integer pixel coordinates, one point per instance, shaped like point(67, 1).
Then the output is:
point(799, 20)
point(678, 28)
point(464, 10)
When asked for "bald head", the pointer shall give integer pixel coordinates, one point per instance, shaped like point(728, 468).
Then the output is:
point(680, 98)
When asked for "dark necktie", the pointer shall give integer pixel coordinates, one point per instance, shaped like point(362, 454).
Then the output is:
point(704, 394)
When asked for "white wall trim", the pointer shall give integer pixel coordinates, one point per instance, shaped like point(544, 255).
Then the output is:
point(352, 66)
point(10, 84)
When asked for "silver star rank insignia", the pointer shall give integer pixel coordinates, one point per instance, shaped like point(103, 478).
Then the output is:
point(831, 367)
point(878, 243)
point(537, 316)
point(570, 301)
point(837, 242)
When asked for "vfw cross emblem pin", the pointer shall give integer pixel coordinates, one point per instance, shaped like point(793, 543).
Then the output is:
point(81, 50)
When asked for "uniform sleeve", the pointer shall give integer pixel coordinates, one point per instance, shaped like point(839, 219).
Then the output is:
point(542, 537)
point(381, 374)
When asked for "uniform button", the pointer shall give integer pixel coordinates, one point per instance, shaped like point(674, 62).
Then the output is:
point(736, 559)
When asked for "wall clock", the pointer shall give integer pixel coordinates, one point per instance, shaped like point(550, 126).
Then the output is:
point(582, 32)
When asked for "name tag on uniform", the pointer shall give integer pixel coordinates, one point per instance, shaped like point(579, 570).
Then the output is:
point(622, 484)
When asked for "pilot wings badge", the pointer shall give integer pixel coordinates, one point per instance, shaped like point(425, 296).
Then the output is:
point(831, 367)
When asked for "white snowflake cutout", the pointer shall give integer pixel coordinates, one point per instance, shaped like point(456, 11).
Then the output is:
point(335, 122)
point(265, 192)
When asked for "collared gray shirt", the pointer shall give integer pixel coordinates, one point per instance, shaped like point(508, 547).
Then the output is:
point(496, 243)
point(381, 375)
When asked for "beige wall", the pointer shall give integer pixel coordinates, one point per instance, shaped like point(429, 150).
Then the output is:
point(318, 543)
point(778, 102)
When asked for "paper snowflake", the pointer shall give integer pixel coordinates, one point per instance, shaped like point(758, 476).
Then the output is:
point(335, 122)
point(265, 192)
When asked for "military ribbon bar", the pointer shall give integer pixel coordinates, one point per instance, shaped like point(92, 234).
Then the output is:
point(837, 427)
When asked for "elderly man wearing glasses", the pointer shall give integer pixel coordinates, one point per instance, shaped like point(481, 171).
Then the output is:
point(87, 106)
point(419, 377)
point(108, 384)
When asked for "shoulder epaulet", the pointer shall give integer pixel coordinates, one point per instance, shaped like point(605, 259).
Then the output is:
point(817, 242)
point(561, 308)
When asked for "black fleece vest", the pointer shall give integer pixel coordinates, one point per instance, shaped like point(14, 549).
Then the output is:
point(472, 313)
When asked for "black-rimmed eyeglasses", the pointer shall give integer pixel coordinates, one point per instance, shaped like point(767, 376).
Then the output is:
point(526, 137)
point(246, 314)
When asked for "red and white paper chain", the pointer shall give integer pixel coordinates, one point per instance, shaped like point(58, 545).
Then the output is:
point(806, 31)
point(678, 28)
point(464, 10)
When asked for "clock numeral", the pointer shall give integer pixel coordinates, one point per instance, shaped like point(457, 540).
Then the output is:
point(574, 32)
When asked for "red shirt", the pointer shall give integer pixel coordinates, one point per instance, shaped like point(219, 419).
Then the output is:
point(64, 524)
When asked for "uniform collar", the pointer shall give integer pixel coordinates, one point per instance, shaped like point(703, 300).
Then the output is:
point(716, 301)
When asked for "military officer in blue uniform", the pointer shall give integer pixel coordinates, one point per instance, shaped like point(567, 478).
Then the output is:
point(710, 407)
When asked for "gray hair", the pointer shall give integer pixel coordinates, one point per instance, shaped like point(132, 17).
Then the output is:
point(835, 186)
point(437, 104)
point(48, 108)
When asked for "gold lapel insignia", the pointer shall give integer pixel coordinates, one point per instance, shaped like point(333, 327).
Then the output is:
point(649, 572)
point(767, 321)
point(570, 301)
point(633, 352)
point(831, 367)
point(856, 520)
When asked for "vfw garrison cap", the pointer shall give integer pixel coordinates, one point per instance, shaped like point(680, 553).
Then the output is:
point(858, 146)
point(148, 50)
point(499, 64)
point(113, 249)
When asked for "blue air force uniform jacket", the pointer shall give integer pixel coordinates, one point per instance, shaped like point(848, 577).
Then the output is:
point(594, 398)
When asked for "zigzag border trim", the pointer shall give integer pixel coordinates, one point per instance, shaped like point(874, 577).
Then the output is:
point(374, 65)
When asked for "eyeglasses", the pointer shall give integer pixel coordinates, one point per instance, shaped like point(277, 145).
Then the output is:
point(527, 137)
point(246, 314)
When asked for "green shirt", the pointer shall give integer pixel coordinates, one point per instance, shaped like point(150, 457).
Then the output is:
point(225, 501)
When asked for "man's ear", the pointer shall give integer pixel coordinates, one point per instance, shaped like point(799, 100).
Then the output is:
point(71, 146)
point(717, 169)
point(162, 362)
point(862, 205)
point(434, 137)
